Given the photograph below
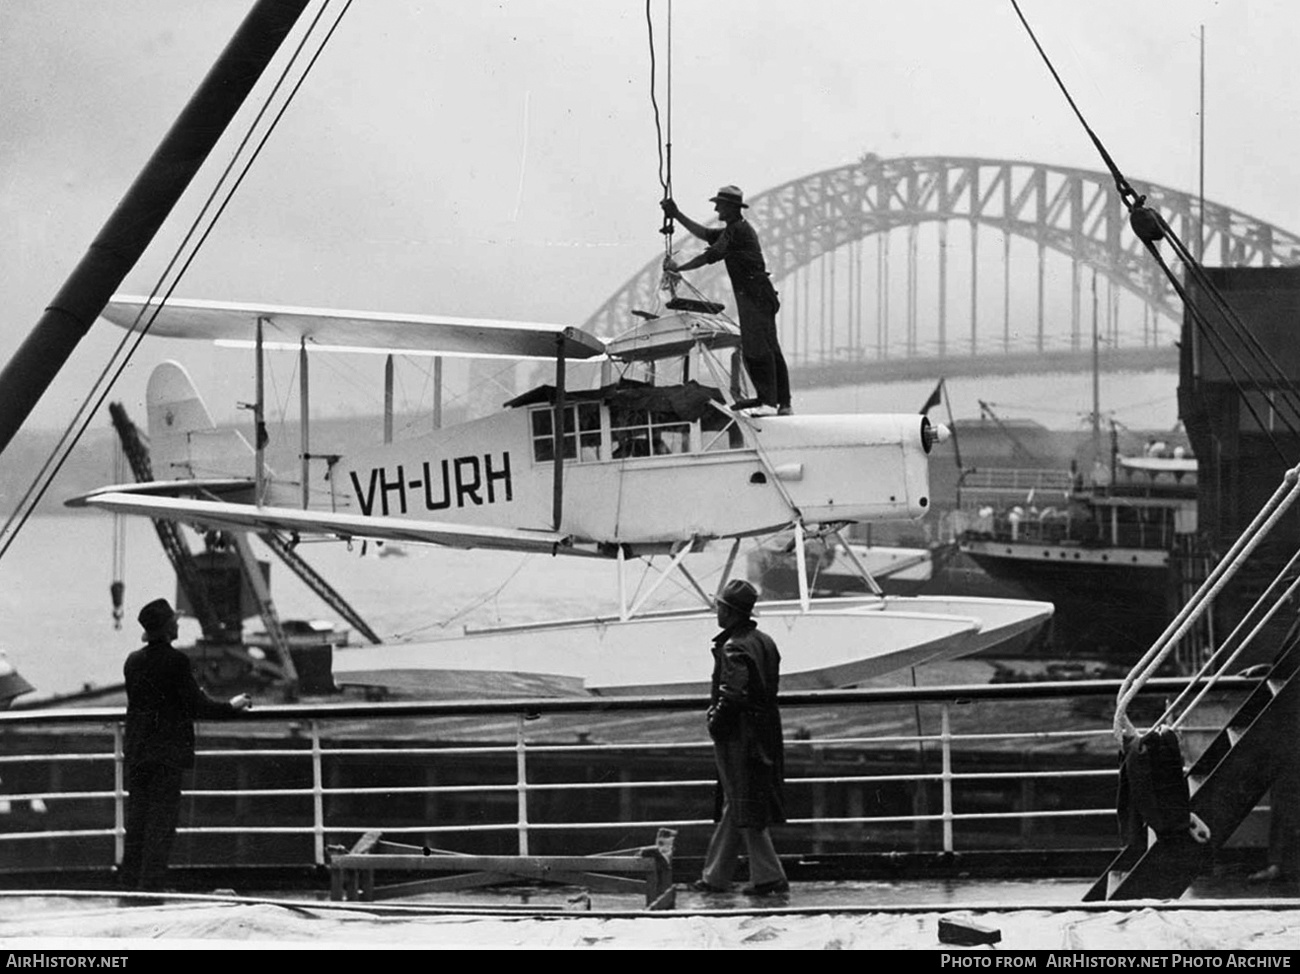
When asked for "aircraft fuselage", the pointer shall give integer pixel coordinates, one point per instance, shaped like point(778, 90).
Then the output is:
point(645, 479)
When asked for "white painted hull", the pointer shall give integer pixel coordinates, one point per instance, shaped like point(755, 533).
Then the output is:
point(836, 643)
point(1002, 621)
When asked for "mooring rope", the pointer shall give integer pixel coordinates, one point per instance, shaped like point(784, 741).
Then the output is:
point(1151, 227)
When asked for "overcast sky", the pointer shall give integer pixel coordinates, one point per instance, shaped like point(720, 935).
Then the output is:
point(499, 159)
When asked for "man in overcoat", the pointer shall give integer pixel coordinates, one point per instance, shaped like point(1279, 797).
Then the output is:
point(162, 702)
point(745, 724)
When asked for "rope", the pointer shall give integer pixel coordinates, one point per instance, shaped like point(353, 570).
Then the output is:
point(104, 383)
point(662, 145)
point(669, 280)
point(117, 584)
point(1151, 228)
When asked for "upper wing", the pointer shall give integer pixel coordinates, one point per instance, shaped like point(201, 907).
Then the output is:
point(223, 514)
point(352, 331)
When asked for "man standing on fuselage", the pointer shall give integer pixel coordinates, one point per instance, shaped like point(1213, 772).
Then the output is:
point(736, 244)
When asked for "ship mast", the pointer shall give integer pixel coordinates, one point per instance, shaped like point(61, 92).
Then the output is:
point(141, 212)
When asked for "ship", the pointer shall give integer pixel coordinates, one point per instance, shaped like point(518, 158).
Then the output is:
point(1115, 552)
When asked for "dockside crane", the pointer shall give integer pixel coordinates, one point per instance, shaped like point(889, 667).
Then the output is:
point(221, 620)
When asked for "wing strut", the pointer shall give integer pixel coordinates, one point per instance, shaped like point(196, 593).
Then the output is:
point(266, 609)
point(259, 419)
point(725, 577)
point(801, 565)
point(304, 407)
point(684, 548)
point(557, 434)
point(388, 398)
point(872, 584)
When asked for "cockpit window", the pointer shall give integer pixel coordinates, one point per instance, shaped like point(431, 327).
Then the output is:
point(581, 438)
point(647, 433)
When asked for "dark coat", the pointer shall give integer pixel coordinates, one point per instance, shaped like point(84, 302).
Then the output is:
point(737, 246)
point(162, 702)
point(745, 724)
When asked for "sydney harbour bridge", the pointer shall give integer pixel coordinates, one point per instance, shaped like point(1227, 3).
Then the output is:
point(917, 266)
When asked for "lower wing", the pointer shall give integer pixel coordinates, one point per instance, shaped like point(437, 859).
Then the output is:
point(224, 514)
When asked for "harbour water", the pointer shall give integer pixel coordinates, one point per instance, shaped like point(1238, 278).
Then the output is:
point(56, 623)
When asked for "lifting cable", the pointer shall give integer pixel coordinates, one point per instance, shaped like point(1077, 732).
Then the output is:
point(119, 359)
point(663, 132)
point(117, 583)
point(1151, 227)
point(664, 143)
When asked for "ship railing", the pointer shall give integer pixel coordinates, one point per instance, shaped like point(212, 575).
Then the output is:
point(1145, 529)
point(968, 773)
point(1272, 610)
point(1002, 483)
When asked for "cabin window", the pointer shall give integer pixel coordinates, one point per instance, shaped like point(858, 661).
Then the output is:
point(720, 432)
point(581, 433)
point(646, 433)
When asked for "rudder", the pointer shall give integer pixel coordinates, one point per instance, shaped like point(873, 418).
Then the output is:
point(184, 442)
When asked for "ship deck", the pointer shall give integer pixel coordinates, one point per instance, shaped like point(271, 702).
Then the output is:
point(1222, 912)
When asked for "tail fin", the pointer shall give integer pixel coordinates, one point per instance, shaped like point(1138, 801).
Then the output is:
point(184, 442)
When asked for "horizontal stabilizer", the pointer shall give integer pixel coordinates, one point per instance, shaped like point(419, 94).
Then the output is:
point(353, 331)
point(211, 488)
point(220, 514)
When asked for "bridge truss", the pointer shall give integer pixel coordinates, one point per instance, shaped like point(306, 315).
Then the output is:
point(1064, 226)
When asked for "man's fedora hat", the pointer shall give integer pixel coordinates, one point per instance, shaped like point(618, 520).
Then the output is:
point(730, 194)
point(739, 595)
point(156, 615)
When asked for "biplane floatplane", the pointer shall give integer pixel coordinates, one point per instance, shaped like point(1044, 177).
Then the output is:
point(628, 470)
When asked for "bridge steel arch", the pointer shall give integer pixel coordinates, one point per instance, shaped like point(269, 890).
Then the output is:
point(1075, 212)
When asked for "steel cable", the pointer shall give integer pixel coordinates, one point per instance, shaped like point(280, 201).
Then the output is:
point(119, 359)
point(1150, 228)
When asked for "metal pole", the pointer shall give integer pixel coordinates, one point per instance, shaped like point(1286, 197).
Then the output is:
point(148, 202)
point(437, 392)
point(945, 718)
point(911, 289)
point(304, 407)
point(974, 286)
point(317, 794)
point(1096, 375)
point(557, 432)
point(259, 421)
point(119, 796)
point(943, 289)
point(1042, 259)
point(882, 283)
point(521, 783)
point(388, 399)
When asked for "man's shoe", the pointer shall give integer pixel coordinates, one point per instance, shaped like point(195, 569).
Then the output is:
point(784, 411)
point(745, 404)
point(773, 888)
point(703, 886)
